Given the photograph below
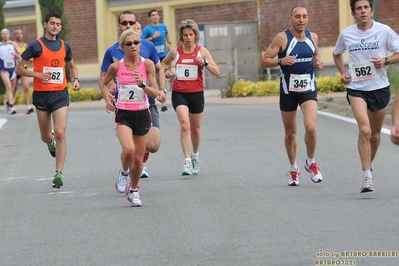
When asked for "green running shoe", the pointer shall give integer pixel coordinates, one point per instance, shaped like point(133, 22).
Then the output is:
point(51, 146)
point(58, 180)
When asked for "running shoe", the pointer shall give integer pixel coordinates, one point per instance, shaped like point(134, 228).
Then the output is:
point(195, 164)
point(367, 185)
point(144, 174)
point(52, 146)
point(134, 198)
point(164, 108)
point(29, 110)
point(7, 106)
point(58, 180)
point(187, 168)
point(121, 182)
point(127, 190)
point(314, 171)
point(145, 156)
point(11, 111)
point(294, 178)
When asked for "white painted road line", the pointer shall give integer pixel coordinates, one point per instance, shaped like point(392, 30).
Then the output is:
point(350, 120)
point(2, 122)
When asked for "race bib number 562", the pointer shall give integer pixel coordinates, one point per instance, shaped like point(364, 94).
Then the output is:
point(362, 71)
point(57, 76)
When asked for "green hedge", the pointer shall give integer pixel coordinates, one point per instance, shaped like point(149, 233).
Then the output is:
point(245, 88)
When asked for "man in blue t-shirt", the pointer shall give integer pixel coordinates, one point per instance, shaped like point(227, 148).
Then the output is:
point(127, 20)
point(157, 33)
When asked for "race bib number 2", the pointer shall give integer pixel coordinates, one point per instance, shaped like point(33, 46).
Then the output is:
point(57, 76)
point(362, 71)
point(299, 82)
point(130, 93)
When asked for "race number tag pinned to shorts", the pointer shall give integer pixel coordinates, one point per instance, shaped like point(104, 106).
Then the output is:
point(130, 93)
point(299, 82)
point(9, 63)
point(362, 71)
point(186, 72)
point(57, 76)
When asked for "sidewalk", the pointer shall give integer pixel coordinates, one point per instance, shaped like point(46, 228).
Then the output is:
point(211, 96)
point(331, 102)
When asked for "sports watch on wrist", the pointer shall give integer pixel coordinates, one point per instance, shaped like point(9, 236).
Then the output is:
point(163, 89)
point(387, 62)
point(142, 85)
point(206, 63)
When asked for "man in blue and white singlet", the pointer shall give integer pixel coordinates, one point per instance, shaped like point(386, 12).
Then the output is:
point(368, 43)
point(296, 49)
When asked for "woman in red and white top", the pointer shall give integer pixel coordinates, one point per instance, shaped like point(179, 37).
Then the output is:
point(188, 89)
point(135, 78)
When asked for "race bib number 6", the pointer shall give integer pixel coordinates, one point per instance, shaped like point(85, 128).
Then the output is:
point(362, 71)
point(299, 82)
point(57, 76)
point(186, 72)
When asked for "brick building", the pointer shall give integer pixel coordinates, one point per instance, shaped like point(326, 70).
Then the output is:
point(92, 23)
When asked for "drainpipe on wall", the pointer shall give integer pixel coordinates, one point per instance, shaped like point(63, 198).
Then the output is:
point(260, 43)
point(375, 16)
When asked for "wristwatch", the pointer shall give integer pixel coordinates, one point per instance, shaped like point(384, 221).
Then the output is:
point(162, 89)
point(387, 62)
point(206, 63)
point(142, 85)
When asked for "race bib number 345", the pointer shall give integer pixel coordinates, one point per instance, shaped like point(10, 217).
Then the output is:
point(299, 82)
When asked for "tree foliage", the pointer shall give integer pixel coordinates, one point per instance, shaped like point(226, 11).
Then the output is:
point(47, 6)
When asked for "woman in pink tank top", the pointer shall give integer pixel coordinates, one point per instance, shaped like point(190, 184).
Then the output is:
point(135, 79)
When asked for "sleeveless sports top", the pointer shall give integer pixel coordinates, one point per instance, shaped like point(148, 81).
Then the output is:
point(53, 61)
point(298, 78)
point(188, 76)
point(130, 96)
point(7, 60)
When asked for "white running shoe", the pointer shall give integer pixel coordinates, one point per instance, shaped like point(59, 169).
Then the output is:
point(121, 182)
point(11, 111)
point(314, 172)
point(187, 168)
point(6, 106)
point(367, 185)
point(294, 178)
point(144, 174)
point(195, 164)
point(134, 198)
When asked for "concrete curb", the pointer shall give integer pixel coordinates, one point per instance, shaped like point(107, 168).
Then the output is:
point(330, 102)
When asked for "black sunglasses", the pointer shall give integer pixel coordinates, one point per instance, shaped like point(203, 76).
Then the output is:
point(124, 23)
point(128, 44)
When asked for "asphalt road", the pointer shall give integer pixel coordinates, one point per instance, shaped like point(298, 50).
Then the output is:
point(237, 211)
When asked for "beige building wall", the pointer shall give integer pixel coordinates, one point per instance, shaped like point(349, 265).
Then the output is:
point(92, 23)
